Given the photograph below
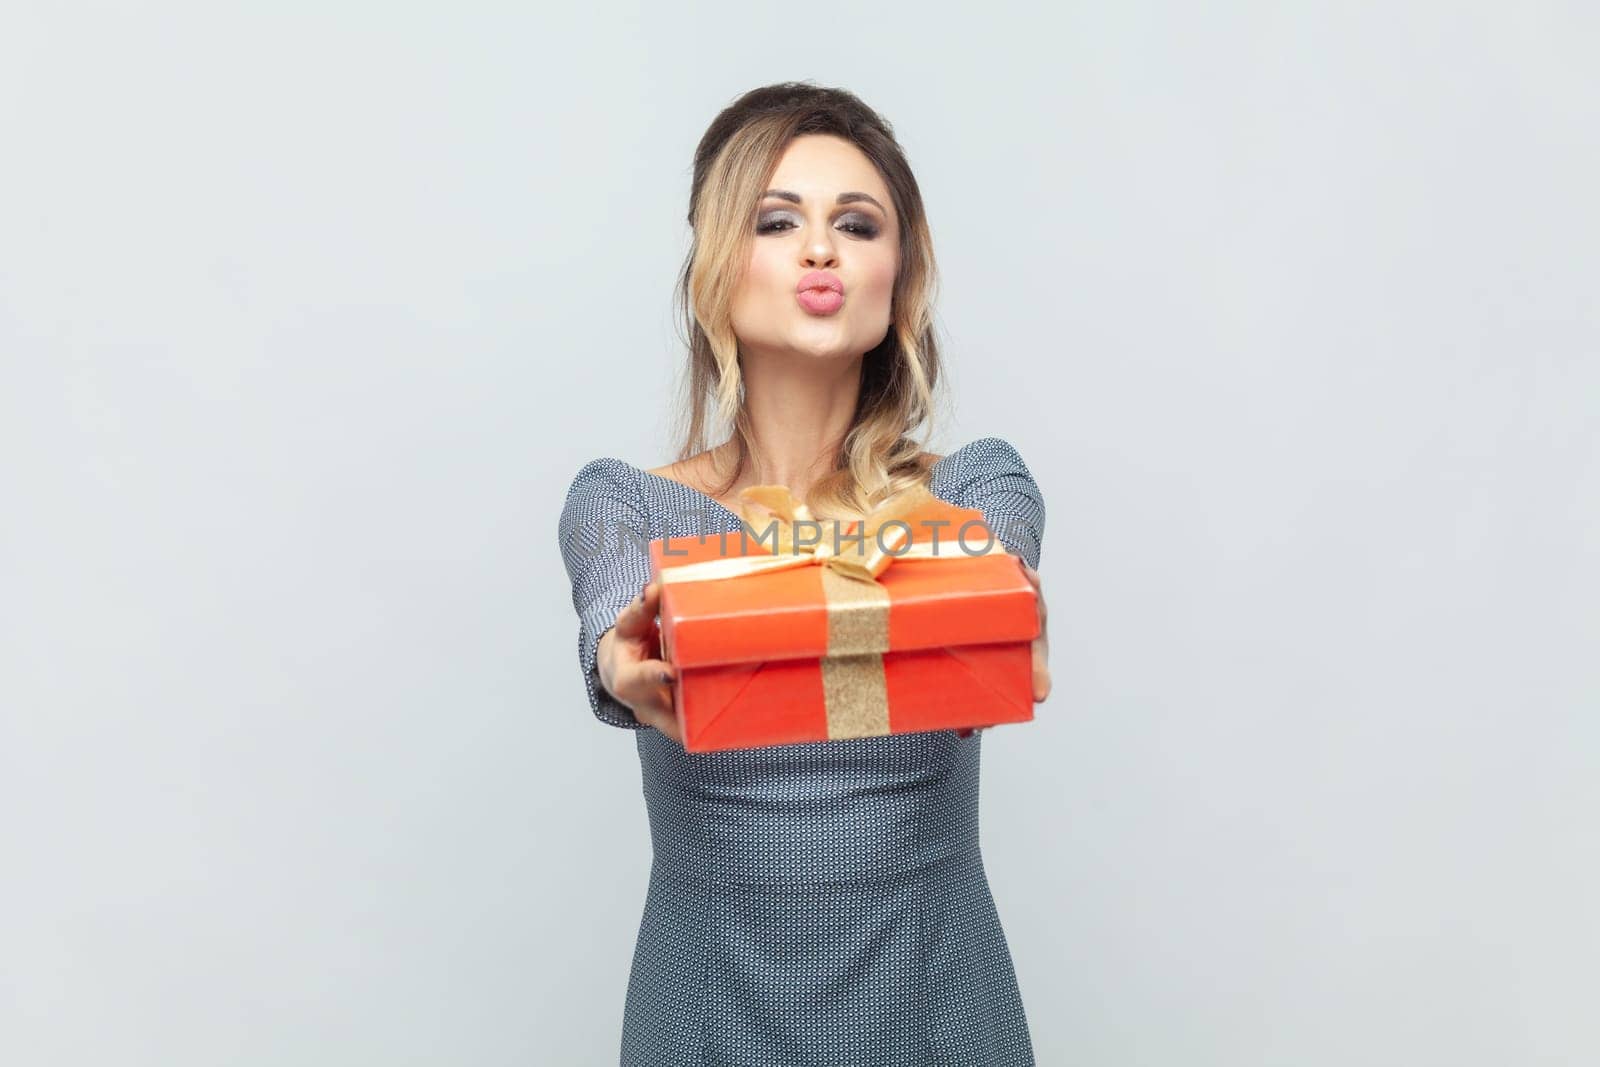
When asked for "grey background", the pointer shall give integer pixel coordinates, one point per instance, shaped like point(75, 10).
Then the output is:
point(308, 314)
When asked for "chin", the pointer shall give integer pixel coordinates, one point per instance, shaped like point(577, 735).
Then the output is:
point(830, 348)
point(823, 337)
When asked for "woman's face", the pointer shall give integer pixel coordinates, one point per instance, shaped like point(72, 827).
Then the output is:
point(826, 216)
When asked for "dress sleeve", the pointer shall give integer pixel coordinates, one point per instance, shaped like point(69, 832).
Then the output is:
point(603, 534)
point(993, 479)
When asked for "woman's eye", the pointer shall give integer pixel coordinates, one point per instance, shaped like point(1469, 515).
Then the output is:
point(858, 226)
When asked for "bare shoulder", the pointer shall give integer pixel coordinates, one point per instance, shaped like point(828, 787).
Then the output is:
point(690, 471)
point(697, 474)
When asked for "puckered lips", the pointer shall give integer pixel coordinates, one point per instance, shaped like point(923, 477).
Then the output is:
point(820, 293)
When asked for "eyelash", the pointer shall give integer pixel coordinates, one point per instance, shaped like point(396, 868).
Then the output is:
point(860, 229)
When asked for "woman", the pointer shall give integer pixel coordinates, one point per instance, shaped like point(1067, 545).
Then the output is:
point(818, 903)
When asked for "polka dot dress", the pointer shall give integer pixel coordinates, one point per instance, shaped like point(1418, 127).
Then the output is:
point(811, 904)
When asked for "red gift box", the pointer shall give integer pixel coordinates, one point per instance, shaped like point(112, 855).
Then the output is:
point(776, 640)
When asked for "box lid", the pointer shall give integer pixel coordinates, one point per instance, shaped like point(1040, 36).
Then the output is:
point(957, 599)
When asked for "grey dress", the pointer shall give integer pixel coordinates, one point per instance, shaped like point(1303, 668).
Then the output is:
point(809, 904)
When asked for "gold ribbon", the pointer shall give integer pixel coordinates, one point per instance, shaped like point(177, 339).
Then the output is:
point(854, 689)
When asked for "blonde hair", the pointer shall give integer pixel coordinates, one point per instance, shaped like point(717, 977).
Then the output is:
point(881, 452)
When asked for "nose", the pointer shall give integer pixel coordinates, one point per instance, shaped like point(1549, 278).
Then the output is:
point(818, 252)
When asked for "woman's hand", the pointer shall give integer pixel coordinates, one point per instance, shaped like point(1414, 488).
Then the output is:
point(1041, 648)
point(628, 658)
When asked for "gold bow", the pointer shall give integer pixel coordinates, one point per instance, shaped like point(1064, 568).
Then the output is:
point(857, 603)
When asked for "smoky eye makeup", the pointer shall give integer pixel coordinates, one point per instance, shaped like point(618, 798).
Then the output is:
point(855, 223)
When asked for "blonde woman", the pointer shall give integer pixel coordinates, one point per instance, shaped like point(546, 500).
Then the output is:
point(822, 903)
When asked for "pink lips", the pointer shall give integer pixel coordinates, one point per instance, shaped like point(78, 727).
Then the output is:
point(820, 293)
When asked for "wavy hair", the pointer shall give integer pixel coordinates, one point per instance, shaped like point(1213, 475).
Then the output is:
point(881, 452)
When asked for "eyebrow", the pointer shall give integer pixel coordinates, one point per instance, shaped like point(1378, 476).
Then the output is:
point(844, 198)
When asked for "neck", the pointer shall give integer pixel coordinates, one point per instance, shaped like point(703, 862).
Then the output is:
point(800, 407)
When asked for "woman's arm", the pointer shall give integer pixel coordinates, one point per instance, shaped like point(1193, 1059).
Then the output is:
point(994, 479)
point(601, 530)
